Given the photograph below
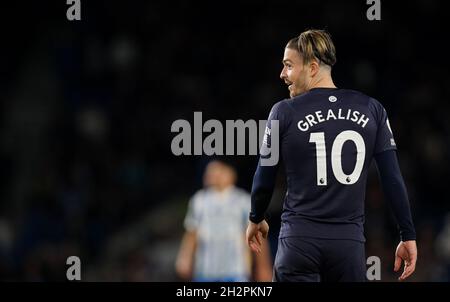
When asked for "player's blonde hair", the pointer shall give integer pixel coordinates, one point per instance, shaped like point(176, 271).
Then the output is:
point(314, 44)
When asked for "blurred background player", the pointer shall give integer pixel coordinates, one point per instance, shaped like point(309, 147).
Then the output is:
point(213, 247)
point(328, 138)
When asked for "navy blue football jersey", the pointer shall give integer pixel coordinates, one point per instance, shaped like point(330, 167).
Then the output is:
point(327, 140)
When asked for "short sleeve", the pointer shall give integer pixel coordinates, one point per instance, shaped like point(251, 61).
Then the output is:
point(192, 219)
point(245, 206)
point(385, 137)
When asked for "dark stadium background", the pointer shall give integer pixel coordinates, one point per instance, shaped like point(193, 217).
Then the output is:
point(86, 108)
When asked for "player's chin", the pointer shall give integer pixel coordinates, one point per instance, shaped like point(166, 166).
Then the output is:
point(292, 94)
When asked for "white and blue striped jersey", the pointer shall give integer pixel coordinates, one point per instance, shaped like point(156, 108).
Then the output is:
point(220, 220)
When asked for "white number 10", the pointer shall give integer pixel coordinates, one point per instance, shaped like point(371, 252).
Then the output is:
point(336, 157)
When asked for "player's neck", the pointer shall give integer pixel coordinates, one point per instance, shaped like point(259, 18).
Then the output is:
point(222, 187)
point(324, 81)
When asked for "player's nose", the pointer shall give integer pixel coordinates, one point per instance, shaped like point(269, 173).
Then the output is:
point(283, 74)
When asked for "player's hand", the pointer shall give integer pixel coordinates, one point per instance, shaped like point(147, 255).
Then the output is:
point(255, 234)
point(406, 251)
point(183, 269)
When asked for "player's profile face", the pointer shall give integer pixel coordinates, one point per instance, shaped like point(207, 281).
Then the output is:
point(211, 176)
point(294, 73)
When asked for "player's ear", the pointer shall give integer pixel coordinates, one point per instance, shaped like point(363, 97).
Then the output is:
point(314, 67)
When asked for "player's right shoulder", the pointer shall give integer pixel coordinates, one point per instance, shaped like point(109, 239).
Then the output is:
point(280, 110)
point(280, 106)
point(200, 196)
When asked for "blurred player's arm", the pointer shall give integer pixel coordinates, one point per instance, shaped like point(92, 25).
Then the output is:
point(262, 264)
point(184, 264)
point(396, 193)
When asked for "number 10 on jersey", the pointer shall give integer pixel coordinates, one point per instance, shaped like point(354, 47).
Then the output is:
point(336, 156)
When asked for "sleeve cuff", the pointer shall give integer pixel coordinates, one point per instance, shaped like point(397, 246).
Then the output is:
point(255, 218)
point(406, 236)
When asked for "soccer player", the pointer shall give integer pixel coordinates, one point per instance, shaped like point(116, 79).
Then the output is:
point(328, 137)
point(213, 248)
